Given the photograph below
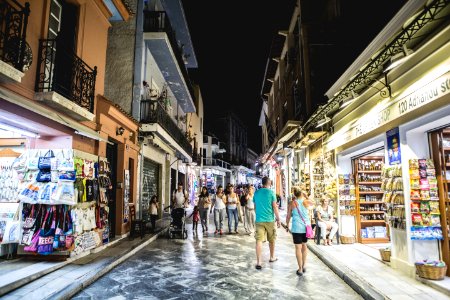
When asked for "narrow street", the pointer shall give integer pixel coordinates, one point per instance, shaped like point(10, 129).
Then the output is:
point(217, 267)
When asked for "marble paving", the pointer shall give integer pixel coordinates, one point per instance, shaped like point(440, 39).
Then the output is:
point(217, 267)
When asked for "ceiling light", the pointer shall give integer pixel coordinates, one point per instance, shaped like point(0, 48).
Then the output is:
point(323, 121)
point(19, 131)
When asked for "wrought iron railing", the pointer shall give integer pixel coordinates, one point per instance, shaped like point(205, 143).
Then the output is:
point(158, 21)
point(197, 157)
point(61, 70)
point(14, 49)
point(216, 162)
point(153, 112)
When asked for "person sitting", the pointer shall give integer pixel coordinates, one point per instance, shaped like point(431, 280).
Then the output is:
point(326, 221)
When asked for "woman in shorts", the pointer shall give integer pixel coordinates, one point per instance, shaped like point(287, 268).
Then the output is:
point(298, 211)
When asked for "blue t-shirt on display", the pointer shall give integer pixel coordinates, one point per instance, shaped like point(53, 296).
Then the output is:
point(263, 199)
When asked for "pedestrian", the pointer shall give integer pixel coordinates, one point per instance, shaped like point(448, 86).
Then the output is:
point(250, 211)
point(195, 218)
point(298, 211)
point(232, 209)
point(179, 197)
point(153, 210)
point(243, 201)
point(218, 206)
point(266, 210)
point(204, 203)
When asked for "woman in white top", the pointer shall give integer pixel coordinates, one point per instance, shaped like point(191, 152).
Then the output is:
point(250, 211)
point(219, 209)
point(232, 209)
point(204, 203)
point(153, 210)
point(326, 221)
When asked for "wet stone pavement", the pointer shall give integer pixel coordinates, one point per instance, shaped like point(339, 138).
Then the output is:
point(217, 267)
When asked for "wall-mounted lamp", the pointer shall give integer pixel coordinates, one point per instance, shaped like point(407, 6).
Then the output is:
point(323, 121)
point(350, 100)
point(120, 130)
point(399, 58)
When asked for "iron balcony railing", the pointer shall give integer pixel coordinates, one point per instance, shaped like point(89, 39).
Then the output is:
point(216, 162)
point(153, 112)
point(14, 49)
point(60, 70)
point(196, 157)
point(158, 21)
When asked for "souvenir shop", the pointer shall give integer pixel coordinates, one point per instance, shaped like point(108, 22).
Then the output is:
point(392, 162)
point(56, 194)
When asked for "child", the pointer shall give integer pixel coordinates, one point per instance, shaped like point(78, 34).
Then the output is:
point(153, 210)
point(195, 218)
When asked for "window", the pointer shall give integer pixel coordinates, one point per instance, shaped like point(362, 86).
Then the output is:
point(201, 125)
point(54, 22)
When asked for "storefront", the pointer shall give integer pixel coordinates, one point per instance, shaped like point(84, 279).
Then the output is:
point(392, 160)
point(55, 198)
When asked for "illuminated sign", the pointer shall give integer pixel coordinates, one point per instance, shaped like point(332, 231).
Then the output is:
point(395, 109)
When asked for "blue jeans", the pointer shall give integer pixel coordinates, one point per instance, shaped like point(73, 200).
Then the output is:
point(232, 212)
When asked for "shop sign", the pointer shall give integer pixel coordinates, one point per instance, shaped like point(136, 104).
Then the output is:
point(395, 109)
point(393, 146)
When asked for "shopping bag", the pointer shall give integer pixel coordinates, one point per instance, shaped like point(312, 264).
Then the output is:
point(44, 176)
point(33, 161)
point(44, 162)
point(67, 162)
point(20, 163)
point(32, 246)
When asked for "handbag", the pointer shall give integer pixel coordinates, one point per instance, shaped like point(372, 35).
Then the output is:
point(44, 162)
point(33, 162)
point(20, 163)
point(46, 238)
point(44, 176)
point(309, 230)
point(32, 247)
point(67, 161)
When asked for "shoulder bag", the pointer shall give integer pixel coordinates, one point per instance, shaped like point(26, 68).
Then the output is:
point(309, 231)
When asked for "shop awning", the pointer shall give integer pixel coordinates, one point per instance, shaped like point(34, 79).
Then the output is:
point(50, 114)
point(285, 134)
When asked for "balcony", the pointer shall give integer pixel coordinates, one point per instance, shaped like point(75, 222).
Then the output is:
point(197, 158)
point(214, 162)
point(152, 112)
point(64, 81)
point(15, 53)
point(160, 38)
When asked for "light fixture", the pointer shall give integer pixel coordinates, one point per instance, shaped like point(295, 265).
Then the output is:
point(19, 131)
point(399, 58)
point(323, 121)
point(120, 130)
point(303, 146)
point(348, 101)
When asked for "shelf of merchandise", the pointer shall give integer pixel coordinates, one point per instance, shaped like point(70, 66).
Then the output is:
point(371, 192)
point(374, 240)
point(360, 224)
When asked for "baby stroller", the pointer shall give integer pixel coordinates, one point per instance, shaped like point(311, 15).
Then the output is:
point(178, 223)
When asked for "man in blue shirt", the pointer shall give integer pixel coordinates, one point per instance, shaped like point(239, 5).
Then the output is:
point(265, 210)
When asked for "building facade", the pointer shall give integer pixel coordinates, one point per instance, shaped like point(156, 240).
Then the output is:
point(53, 103)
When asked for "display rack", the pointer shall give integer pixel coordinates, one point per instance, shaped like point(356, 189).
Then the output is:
point(393, 197)
point(347, 195)
point(370, 208)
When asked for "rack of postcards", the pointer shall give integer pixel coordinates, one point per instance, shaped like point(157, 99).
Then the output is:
point(393, 196)
point(64, 201)
point(347, 195)
point(318, 179)
point(424, 197)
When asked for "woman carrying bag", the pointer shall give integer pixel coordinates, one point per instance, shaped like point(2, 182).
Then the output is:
point(301, 226)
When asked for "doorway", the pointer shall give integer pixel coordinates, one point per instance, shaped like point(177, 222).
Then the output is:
point(111, 155)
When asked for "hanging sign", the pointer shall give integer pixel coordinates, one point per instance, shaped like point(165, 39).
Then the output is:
point(393, 146)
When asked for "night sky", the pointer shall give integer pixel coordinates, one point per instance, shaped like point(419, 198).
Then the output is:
point(232, 60)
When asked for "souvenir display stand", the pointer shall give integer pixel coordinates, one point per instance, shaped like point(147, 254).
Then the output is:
point(347, 204)
point(64, 198)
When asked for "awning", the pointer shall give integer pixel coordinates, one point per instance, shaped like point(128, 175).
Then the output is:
point(286, 133)
point(50, 114)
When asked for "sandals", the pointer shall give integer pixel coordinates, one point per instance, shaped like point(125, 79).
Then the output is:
point(273, 260)
point(299, 273)
point(258, 267)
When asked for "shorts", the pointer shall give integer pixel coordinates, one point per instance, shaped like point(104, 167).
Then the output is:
point(263, 229)
point(299, 238)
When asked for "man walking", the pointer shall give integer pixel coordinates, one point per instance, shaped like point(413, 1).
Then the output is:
point(265, 209)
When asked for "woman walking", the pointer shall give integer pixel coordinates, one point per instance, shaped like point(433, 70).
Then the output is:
point(153, 210)
point(204, 202)
point(232, 210)
point(219, 209)
point(250, 211)
point(298, 211)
